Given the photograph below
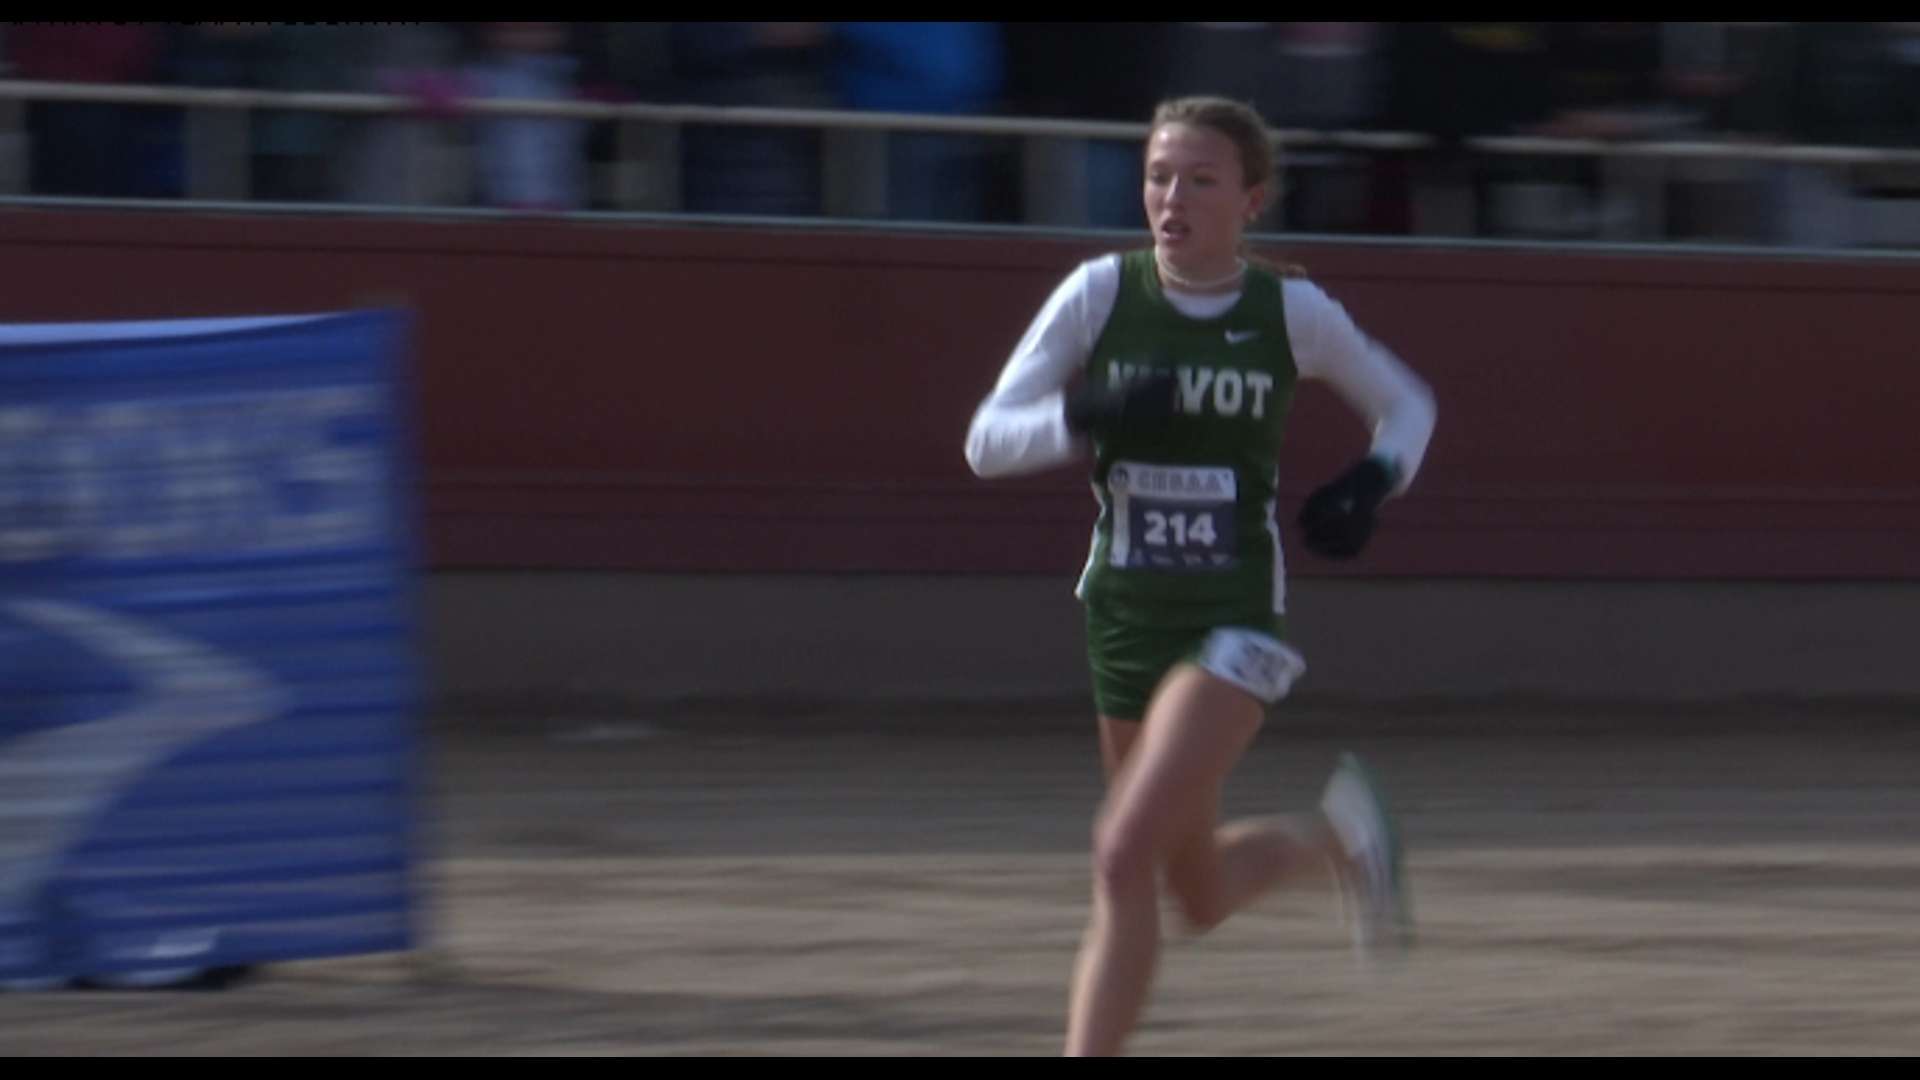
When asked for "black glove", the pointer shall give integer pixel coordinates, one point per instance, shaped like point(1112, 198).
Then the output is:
point(1142, 405)
point(1337, 520)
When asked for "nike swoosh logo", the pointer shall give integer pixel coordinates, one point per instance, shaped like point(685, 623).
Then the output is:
point(1237, 337)
point(53, 783)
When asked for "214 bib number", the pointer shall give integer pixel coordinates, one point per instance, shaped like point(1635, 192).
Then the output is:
point(1172, 518)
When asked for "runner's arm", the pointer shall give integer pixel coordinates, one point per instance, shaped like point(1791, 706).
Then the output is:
point(1021, 427)
point(1396, 405)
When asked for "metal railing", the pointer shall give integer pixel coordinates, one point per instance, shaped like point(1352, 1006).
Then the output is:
point(646, 170)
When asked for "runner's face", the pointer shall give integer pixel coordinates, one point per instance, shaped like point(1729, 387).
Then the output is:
point(1196, 194)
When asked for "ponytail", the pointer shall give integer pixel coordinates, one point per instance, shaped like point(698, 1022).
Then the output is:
point(1277, 269)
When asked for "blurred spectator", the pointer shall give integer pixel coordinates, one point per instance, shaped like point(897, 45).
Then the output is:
point(1093, 71)
point(1698, 69)
point(80, 148)
point(1850, 84)
point(1853, 85)
point(628, 60)
point(1755, 61)
point(945, 68)
point(1890, 194)
point(1727, 80)
point(295, 152)
point(292, 152)
point(212, 54)
point(1331, 76)
point(1324, 76)
point(401, 160)
point(1315, 75)
point(1903, 50)
point(1607, 81)
point(1609, 85)
point(529, 162)
point(1458, 80)
point(1237, 60)
point(621, 62)
point(741, 170)
point(1571, 80)
point(1453, 80)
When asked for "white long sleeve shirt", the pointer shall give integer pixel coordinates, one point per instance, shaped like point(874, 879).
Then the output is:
point(1021, 427)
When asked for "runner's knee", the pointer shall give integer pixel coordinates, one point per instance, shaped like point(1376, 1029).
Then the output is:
point(1125, 862)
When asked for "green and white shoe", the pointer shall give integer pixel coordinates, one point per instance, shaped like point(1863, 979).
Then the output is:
point(1373, 878)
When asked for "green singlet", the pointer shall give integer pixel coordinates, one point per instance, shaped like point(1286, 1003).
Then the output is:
point(1186, 535)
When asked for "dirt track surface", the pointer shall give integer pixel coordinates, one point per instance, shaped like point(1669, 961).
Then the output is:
point(1616, 884)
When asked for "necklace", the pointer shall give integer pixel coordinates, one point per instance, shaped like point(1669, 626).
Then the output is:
point(1239, 268)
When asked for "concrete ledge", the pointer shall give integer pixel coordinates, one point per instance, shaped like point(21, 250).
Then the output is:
point(515, 641)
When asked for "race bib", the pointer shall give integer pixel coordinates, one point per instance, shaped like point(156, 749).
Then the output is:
point(1173, 518)
point(1252, 661)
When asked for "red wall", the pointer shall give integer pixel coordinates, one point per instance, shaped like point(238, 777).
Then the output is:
point(687, 399)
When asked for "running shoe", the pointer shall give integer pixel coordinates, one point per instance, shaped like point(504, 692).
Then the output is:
point(1380, 910)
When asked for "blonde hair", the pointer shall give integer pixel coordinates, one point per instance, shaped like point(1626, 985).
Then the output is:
point(1260, 156)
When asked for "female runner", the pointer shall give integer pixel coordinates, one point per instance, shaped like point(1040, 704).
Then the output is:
point(1175, 366)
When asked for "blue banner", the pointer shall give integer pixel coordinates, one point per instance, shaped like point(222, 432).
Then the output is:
point(208, 690)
